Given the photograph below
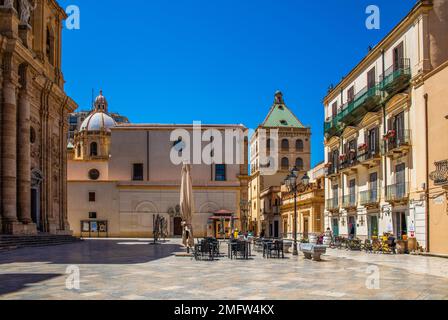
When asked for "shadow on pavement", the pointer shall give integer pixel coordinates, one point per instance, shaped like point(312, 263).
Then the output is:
point(93, 252)
point(10, 283)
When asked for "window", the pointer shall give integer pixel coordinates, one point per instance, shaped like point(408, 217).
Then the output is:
point(137, 172)
point(373, 181)
point(92, 196)
point(93, 149)
point(352, 189)
point(220, 172)
point(371, 76)
point(283, 122)
point(285, 145)
point(94, 174)
point(299, 164)
point(92, 215)
point(398, 57)
point(334, 109)
point(299, 145)
point(285, 164)
point(351, 94)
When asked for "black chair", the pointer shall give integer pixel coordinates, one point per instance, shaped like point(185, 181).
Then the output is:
point(206, 250)
point(276, 247)
point(239, 249)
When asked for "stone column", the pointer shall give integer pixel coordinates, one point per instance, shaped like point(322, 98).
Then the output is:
point(24, 155)
point(9, 156)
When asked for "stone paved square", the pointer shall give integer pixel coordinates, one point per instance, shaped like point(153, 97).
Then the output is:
point(137, 270)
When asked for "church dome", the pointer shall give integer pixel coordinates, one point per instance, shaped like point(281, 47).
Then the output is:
point(98, 121)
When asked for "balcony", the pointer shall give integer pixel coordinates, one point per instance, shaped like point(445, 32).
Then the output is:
point(369, 198)
point(440, 176)
point(396, 78)
point(349, 162)
point(398, 193)
point(398, 143)
point(332, 170)
point(333, 205)
point(366, 100)
point(349, 202)
point(370, 157)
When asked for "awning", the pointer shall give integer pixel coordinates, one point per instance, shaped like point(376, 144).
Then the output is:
point(223, 217)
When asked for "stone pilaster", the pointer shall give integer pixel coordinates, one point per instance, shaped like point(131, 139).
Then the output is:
point(9, 149)
point(24, 153)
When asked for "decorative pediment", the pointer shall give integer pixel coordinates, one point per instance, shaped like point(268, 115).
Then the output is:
point(350, 132)
point(401, 100)
point(333, 141)
point(371, 118)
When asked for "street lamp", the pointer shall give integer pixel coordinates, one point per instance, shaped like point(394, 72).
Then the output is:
point(291, 184)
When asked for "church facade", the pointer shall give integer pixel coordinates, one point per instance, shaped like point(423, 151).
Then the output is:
point(33, 111)
point(121, 177)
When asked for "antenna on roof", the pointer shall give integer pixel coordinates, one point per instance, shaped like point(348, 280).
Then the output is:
point(92, 98)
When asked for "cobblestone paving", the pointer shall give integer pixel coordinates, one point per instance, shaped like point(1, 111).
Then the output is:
point(135, 269)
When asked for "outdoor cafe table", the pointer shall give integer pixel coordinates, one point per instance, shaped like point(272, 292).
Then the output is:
point(247, 248)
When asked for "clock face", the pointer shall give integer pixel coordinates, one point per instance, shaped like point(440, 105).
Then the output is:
point(94, 174)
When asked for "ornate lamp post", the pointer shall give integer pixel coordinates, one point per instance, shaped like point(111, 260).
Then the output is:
point(292, 185)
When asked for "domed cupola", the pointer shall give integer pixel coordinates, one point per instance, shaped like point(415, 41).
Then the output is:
point(98, 120)
point(101, 103)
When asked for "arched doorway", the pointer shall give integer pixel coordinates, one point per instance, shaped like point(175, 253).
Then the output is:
point(177, 221)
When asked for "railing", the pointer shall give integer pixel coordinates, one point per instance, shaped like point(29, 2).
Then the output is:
point(333, 204)
point(369, 154)
point(440, 176)
point(332, 169)
point(349, 201)
point(350, 160)
point(399, 139)
point(369, 197)
point(360, 99)
point(398, 192)
point(395, 74)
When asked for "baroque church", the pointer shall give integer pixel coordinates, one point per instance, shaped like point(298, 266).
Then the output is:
point(121, 178)
point(33, 113)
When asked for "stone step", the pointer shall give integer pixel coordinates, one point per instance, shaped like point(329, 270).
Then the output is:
point(14, 242)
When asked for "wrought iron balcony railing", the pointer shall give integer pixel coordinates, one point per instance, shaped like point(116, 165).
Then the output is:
point(399, 139)
point(349, 201)
point(396, 77)
point(332, 204)
point(440, 176)
point(398, 192)
point(369, 197)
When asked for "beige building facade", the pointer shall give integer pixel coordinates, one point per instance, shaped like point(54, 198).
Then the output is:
point(120, 177)
point(278, 144)
point(375, 142)
point(310, 206)
point(33, 111)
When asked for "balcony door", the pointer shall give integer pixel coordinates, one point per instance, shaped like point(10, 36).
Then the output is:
point(400, 180)
point(371, 78)
point(373, 182)
point(398, 56)
point(398, 126)
point(352, 189)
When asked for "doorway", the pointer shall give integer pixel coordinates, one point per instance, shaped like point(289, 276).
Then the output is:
point(373, 227)
point(400, 225)
point(35, 208)
point(336, 227)
point(352, 227)
point(276, 229)
point(305, 228)
point(177, 226)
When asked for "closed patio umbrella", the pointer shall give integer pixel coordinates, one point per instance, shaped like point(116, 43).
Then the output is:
point(187, 206)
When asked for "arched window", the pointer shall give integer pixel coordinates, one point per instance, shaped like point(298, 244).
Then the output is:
point(268, 144)
point(285, 145)
point(285, 164)
point(299, 145)
point(78, 151)
point(50, 46)
point(93, 149)
point(299, 163)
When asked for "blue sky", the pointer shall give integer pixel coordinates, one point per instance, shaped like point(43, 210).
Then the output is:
point(218, 61)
